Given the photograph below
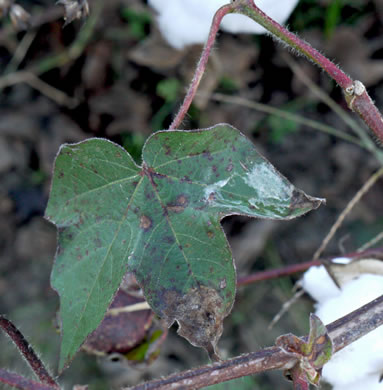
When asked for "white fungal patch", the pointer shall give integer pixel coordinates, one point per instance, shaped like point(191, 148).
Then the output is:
point(267, 183)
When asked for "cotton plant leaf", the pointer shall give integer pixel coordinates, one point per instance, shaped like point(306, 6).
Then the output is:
point(160, 221)
point(312, 354)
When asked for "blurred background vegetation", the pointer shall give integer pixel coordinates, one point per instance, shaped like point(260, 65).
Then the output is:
point(113, 76)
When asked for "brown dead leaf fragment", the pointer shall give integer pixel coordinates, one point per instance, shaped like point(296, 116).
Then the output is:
point(120, 333)
point(199, 315)
point(74, 9)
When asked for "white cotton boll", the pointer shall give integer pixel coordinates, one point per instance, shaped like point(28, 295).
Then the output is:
point(357, 362)
point(363, 358)
point(277, 10)
point(369, 383)
point(317, 282)
point(182, 23)
point(353, 295)
point(187, 22)
point(341, 260)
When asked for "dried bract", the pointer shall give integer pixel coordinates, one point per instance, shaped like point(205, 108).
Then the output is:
point(4, 7)
point(74, 9)
point(19, 17)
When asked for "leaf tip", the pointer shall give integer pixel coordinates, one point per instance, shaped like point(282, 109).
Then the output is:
point(301, 203)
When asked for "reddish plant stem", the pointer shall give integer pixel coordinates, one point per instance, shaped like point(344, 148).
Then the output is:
point(276, 273)
point(248, 8)
point(356, 95)
point(299, 379)
point(376, 253)
point(366, 109)
point(27, 351)
point(201, 66)
point(19, 382)
point(342, 332)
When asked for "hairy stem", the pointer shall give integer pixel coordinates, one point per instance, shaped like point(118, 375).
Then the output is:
point(342, 332)
point(356, 95)
point(27, 351)
point(333, 105)
point(19, 382)
point(201, 66)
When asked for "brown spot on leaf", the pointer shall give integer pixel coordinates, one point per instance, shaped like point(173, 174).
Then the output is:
point(179, 205)
point(169, 239)
point(186, 179)
point(182, 200)
point(207, 155)
point(97, 243)
point(145, 223)
point(149, 195)
point(229, 168)
point(175, 208)
point(168, 150)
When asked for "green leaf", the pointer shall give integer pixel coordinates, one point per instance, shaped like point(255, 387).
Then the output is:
point(160, 221)
point(168, 89)
point(319, 343)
